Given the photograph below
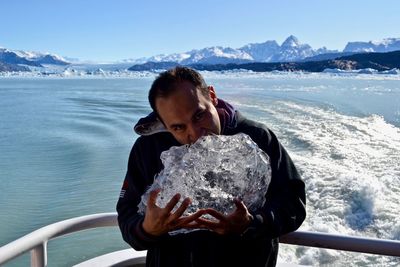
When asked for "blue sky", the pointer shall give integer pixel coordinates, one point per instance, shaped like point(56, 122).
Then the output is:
point(120, 29)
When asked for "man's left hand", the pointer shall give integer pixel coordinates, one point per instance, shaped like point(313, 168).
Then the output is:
point(234, 223)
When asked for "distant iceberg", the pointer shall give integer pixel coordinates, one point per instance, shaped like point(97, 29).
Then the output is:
point(335, 71)
point(392, 71)
point(367, 71)
point(362, 71)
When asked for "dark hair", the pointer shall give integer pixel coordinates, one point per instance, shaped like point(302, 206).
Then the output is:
point(165, 84)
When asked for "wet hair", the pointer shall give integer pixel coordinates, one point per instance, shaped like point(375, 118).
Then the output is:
point(165, 84)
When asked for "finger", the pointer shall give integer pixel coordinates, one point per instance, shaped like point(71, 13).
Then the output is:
point(240, 205)
point(217, 215)
point(178, 213)
point(151, 202)
point(171, 204)
point(188, 219)
point(212, 225)
point(184, 222)
point(193, 217)
point(194, 225)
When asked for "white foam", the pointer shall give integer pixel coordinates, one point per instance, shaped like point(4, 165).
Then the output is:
point(352, 173)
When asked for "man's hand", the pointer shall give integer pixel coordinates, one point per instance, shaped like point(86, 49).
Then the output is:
point(234, 223)
point(158, 221)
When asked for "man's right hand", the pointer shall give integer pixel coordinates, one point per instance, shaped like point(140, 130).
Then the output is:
point(158, 221)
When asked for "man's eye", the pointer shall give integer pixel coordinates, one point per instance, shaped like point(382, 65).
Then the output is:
point(199, 116)
point(177, 128)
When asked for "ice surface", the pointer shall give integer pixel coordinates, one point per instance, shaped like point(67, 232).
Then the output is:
point(120, 71)
point(212, 172)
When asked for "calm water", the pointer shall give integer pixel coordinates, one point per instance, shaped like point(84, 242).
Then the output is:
point(64, 145)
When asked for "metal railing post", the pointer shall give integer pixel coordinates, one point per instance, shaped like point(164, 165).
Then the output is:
point(39, 255)
point(36, 241)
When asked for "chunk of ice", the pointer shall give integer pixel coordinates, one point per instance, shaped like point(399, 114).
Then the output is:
point(212, 172)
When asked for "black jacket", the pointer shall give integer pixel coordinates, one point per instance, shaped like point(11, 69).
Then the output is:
point(283, 211)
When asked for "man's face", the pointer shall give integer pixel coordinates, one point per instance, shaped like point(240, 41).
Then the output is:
point(188, 114)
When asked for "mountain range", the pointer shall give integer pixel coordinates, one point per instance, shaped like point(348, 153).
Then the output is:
point(270, 51)
point(385, 45)
point(386, 62)
point(33, 59)
point(291, 50)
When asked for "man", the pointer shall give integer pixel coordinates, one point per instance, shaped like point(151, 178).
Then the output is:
point(184, 109)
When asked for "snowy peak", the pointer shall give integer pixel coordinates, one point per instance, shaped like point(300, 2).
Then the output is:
point(292, 50)
point(385, 45)
point(37, 55)
point(167, 58)
point(10, 57)
point(262, 52)
point(266, 45)
point(269, 51)
point(290, 42)
point(217, 55)
point(30, 58)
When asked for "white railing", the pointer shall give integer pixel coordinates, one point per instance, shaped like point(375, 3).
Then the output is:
point(342, 242)
point(36, 241)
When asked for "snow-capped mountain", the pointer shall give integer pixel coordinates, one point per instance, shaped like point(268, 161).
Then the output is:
point(168, 58)
point(385, 45)
point(217, 55)
point(269, 51)
point(209, 55)
point(30, 58)
point(10, 57)
point(5, 67)
point(292, 50)
point(262, 51)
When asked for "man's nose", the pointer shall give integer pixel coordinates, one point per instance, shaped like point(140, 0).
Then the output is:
point(195, 132)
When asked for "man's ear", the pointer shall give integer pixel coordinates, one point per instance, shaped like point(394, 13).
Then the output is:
point(213, 95)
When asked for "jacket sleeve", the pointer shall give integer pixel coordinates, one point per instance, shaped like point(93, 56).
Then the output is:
point(129, 220)
point(285, 206)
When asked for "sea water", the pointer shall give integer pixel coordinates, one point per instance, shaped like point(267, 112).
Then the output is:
point(64, 145)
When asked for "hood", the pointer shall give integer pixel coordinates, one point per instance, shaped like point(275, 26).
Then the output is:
point(151, 124)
